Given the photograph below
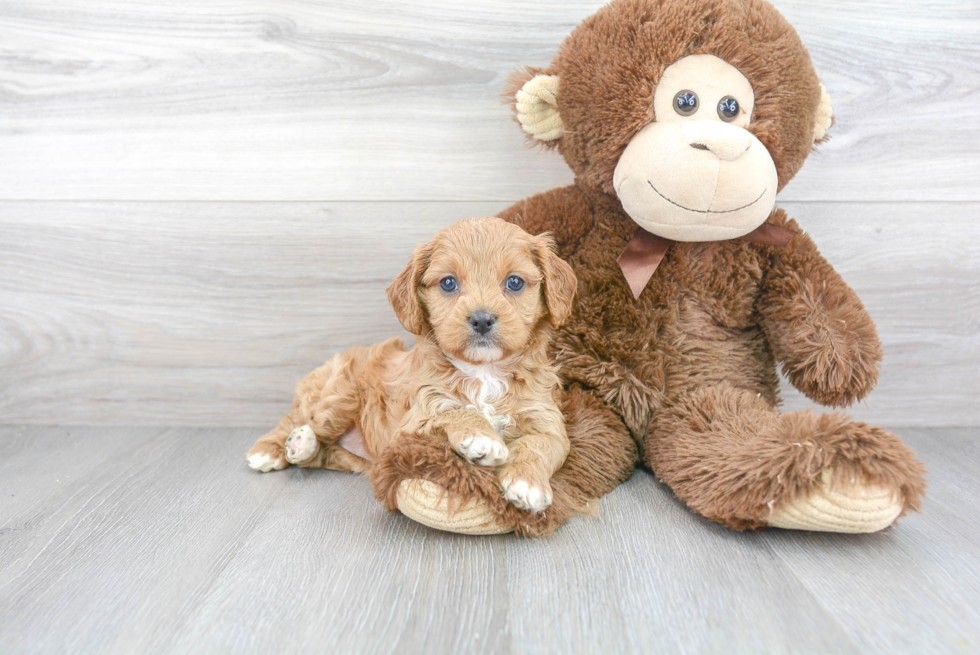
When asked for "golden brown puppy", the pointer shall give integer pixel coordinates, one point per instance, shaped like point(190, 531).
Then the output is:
point(483, 297)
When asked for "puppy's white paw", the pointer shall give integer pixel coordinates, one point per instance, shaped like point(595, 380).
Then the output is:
point(301, 445)
point(526, 495)
point(483, 451)
point(265, 463)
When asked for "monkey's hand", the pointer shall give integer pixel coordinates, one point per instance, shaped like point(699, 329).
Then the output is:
point(817, 326)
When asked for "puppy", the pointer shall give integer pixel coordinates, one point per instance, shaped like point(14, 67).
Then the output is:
point(483, 298)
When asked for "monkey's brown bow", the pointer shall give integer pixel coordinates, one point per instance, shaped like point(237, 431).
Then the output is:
point(645, 251)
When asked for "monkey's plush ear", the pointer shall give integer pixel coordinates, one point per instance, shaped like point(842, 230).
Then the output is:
point(825, 117)
point(404, 294)
point(559, 280)
point(536, 104)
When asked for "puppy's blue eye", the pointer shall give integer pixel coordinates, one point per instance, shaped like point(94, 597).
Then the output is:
point(514, 283)
point(448, 284)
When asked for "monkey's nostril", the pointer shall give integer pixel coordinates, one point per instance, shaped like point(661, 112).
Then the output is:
point(699, 146)
point(482, 321)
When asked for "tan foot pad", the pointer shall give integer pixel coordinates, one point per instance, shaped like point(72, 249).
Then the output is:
point(426, 502)
point(856, 509)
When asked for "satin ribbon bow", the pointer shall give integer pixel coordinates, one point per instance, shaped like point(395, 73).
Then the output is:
point(645, 251)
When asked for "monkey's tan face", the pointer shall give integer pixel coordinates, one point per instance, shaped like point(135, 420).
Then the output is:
point(483, 291)
point(697, 173)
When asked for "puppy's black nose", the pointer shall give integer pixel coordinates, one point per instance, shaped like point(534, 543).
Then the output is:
point(482, 321)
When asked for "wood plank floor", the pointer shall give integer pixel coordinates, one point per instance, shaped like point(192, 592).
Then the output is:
point(153, 540)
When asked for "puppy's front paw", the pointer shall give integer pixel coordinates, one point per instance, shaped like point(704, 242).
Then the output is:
point(481, 450)
point(301, 445)
point(524, 494)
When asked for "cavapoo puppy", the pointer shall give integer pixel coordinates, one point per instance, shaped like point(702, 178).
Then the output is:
point(483, 298)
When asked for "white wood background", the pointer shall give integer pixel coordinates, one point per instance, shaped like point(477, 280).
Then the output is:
point(200, 201)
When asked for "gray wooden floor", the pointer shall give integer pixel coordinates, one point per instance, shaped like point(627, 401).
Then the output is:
point(140, 540)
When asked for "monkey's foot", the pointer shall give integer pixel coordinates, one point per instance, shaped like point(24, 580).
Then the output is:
point(852, 508)
point(427, 503)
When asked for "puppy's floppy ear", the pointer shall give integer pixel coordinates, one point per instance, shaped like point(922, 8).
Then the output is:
point(405, 293)
point(559, 280)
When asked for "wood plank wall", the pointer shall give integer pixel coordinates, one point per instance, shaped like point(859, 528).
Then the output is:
point(201, 201)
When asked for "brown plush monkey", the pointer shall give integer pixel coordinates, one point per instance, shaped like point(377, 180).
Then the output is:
point(681, 120)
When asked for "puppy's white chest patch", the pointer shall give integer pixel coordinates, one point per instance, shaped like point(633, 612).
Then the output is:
point(482, 386)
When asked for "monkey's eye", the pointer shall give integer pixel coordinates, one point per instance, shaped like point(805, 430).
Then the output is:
point(448, 284)
point(728, 108)
point(514, 283)
point(685, 102)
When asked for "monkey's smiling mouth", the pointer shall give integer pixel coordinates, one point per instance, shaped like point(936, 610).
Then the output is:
point(707, 211)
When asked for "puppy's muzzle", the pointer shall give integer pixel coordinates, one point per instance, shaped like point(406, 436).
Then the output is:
point(482, 322)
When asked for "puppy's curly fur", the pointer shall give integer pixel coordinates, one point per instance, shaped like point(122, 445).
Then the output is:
point(483, 297)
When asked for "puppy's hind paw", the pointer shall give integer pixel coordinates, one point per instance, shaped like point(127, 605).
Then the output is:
point(265, 463)
point(527, 496)
point(483, 450)
point(301, 445)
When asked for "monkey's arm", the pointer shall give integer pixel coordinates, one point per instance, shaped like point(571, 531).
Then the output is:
point(816, 324)
point(565, 212)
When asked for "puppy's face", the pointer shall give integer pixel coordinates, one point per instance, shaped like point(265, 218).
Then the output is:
point(482, 287)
